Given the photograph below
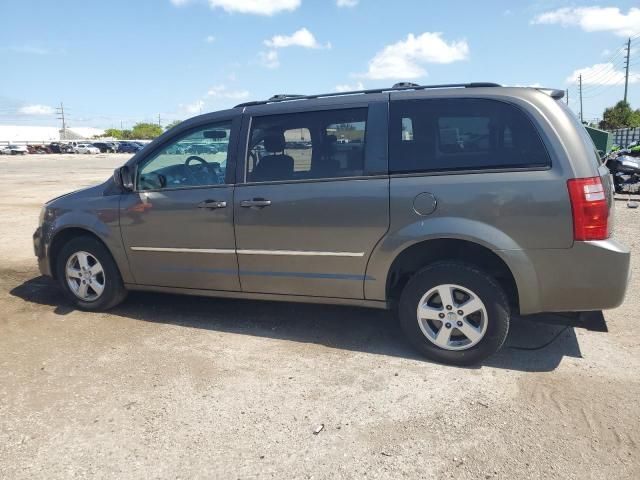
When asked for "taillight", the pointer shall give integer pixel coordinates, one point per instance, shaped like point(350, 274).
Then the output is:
point(590, 209)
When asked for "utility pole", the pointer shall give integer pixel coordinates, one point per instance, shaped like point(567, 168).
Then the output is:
point(626, 74)
point(159, 124)
point(580, 82)
point(60, 113)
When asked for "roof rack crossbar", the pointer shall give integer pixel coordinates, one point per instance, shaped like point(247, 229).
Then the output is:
point(288, 98)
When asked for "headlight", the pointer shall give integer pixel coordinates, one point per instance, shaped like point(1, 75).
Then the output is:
point(46, 215)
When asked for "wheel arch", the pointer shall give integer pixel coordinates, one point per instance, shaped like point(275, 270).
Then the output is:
point(426, 252)
point(65, 235)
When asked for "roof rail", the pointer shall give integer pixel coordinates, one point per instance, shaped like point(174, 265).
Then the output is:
point(284, 96)
point(397, 87)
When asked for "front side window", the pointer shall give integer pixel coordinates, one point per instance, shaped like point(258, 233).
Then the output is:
point(461, 134)
point(309, 145)
point(195, 160)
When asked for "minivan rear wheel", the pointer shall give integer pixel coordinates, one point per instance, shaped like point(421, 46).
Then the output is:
point(454, 313)
point(88, 275)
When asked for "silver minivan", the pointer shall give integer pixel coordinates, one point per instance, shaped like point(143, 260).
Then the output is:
point(458, 206)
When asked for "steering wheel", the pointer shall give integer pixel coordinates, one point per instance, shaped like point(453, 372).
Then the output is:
point(199, 176)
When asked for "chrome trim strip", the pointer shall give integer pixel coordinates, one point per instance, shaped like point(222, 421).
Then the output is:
point(301, 253)
point(304, 253)
point(184, 250)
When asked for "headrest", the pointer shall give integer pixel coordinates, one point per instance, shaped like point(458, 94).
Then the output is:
point(274, 142)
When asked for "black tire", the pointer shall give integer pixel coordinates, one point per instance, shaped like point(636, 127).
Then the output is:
point(483, 285)
point(114, 291)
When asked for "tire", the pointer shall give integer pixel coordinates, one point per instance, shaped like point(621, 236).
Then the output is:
point(113, 291)
point(487, 326)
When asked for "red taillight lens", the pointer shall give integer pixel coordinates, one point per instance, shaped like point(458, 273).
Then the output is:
point(590, 209)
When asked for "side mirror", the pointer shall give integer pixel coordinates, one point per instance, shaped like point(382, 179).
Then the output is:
point(123, 178)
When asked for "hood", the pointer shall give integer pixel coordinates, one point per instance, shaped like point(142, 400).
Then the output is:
point(94, 191)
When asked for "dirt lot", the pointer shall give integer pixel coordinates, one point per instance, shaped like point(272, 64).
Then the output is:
point(182, 387)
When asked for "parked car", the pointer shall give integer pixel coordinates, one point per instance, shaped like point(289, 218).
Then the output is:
point(462, 207)
point(13, 149)
point(86, 148)
point(198, 148)
point(38, 149)
point(106, 147)
point(128, 147)
point(57, 147)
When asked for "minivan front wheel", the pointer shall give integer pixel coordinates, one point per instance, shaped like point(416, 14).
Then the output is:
point(88, 275)
point(454, 313)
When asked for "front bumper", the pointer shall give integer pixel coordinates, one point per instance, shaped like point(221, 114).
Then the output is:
point(41, 251)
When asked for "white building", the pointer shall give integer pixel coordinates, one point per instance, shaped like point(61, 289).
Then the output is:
point(33, 134)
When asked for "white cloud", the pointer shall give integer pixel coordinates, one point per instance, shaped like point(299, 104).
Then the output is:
point(594, 19)
point(269, 59)
point(346, 3)
point(218, 96)
point(300, 38)
point(405, 59)
point(349, 88)
point(193, 108)
point(602, 74)
point(221, 91)
point(36, 110)
point(209, 39)
point(179, 3)
point(257, 7)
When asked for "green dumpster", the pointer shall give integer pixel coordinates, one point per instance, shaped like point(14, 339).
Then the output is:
point(602, 140)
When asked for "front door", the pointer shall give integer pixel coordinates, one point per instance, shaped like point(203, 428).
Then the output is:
point(177, 226)
point(308, 214)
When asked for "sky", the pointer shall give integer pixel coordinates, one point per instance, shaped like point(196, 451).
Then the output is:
point(114, 63)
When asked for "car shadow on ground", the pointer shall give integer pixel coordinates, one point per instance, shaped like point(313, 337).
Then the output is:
point(350, 328)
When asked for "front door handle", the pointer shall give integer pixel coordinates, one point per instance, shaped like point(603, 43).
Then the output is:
point(212, 204)
point(255, 202)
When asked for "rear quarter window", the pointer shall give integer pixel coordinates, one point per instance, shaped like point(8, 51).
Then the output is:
point(462, 134)
point(586, 138)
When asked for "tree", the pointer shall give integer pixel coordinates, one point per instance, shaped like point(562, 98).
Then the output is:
point(112, 132)
point(620, 116)
point(172, 124)
point(146, 131)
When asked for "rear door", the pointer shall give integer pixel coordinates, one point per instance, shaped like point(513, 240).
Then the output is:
point(312, 199)
point(178, 224)
point(483, 163)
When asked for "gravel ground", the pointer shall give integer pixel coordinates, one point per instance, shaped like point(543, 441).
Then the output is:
point(182, 387)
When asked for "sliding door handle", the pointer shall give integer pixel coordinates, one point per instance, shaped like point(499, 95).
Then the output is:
point(255, 202)
point(212, 204)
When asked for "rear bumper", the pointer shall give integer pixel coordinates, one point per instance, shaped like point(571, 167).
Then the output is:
point(589, 276)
